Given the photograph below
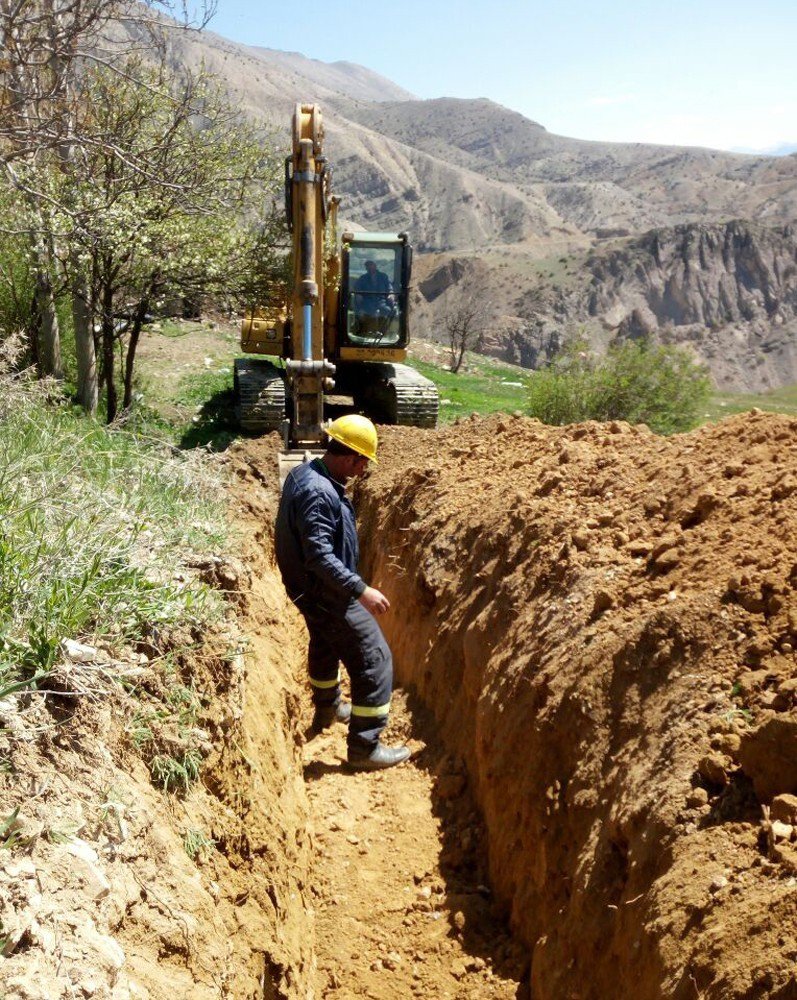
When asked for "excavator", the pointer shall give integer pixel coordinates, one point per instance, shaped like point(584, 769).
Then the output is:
point(342, 332)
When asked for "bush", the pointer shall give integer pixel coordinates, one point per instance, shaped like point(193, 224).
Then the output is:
point(637, 381)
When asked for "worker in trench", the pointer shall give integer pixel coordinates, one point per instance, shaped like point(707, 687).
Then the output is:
point(317, 553)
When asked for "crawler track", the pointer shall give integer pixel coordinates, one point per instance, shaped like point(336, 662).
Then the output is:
point(392, 394)
point(259, 395)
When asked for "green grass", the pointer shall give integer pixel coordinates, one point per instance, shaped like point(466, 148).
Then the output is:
point(197, 844)
point(723, 404)
point(479, 389)
point(176, 774)
point(93, 524)
point(192, 405)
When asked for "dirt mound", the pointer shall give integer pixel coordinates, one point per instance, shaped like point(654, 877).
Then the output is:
point(604, 622)
point(397, 902)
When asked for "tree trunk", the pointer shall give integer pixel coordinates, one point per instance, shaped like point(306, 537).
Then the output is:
point(130, 358)
point(48, 348)
point(108, 340)
point(85, 353)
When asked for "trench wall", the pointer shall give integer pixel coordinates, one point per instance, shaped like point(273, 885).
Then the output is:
point(603, 623)
point(98, 894)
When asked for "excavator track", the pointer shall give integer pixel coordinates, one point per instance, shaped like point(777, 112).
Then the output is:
point(259, 395)
point(397, 394)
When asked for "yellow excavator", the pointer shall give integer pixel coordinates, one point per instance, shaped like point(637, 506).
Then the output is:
point(343, 330)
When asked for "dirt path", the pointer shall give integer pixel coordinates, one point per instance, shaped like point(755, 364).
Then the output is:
point(401, 905)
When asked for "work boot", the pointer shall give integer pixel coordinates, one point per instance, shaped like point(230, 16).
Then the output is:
point(325, 715)
point(379, 758)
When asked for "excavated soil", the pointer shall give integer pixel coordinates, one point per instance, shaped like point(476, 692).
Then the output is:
point(398, 901)
point(594, 633)
point(604, 622)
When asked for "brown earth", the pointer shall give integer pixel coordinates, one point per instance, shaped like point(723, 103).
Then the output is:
point(594, 633)
point(604, 624)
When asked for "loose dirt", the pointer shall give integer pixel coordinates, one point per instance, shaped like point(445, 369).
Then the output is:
point(594, 632)
point(604, 623)
point(399, 895)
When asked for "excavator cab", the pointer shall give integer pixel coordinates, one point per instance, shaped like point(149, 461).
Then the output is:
point(374, 290)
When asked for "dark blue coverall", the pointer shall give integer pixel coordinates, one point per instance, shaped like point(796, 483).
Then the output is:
point(317, 554)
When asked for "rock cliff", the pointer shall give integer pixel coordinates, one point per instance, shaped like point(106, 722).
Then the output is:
point(728, 291)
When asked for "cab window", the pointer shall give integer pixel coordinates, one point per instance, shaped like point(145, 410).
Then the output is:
point(375, 297)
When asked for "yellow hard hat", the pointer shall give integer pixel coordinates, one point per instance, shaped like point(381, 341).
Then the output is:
point(356, 432)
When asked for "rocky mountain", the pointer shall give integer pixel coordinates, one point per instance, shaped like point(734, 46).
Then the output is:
point(463, 175)
point(556, 232)
point(728, 291)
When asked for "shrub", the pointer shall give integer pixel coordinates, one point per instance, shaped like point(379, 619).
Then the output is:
point(637, 381)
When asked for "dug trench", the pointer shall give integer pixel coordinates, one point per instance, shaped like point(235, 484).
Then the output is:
point(594, 632)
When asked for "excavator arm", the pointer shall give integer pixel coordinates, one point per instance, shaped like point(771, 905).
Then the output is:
point(337, 328)
point(309, 372)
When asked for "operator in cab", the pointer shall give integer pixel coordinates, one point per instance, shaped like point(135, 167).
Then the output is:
point(375, 300)
point(317, 553)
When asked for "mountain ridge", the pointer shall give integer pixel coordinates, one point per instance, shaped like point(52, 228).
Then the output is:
point(476, 182)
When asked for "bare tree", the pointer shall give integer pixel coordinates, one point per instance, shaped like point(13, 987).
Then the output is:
point(46, 45)
point(464, 322)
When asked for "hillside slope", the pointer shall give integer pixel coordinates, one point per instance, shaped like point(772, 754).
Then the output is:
point(515, 209)
point(728, 292)
point(465, 174)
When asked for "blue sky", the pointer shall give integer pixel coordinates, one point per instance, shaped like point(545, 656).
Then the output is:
point(705, 73)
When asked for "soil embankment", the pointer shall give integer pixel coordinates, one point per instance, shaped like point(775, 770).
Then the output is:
point(604, 623)
point(397, 901)
point(111, 887)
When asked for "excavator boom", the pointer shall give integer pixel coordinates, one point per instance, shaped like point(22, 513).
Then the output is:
point(344, 325)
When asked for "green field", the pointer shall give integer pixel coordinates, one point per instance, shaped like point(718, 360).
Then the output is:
point(185, 381)
point(782, 400)
point(484, 387)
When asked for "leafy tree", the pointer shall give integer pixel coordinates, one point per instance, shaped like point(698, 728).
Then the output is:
point(45, 46)
point(167, 206)
point(637, 381)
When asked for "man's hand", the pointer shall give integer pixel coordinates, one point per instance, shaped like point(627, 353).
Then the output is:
point(374, 601)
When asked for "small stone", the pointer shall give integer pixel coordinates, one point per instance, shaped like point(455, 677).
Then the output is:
point(727, 743)
point(602, 602)
point(580, 540)
point(696, 798)
point(353, 838)
point(784, 809)
point(718, 883)
point(458, 970)
point(450, 786)
point(425, 892)
point(78, 652)
point(458, 920)
point(712, 768)
point(782, 831)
